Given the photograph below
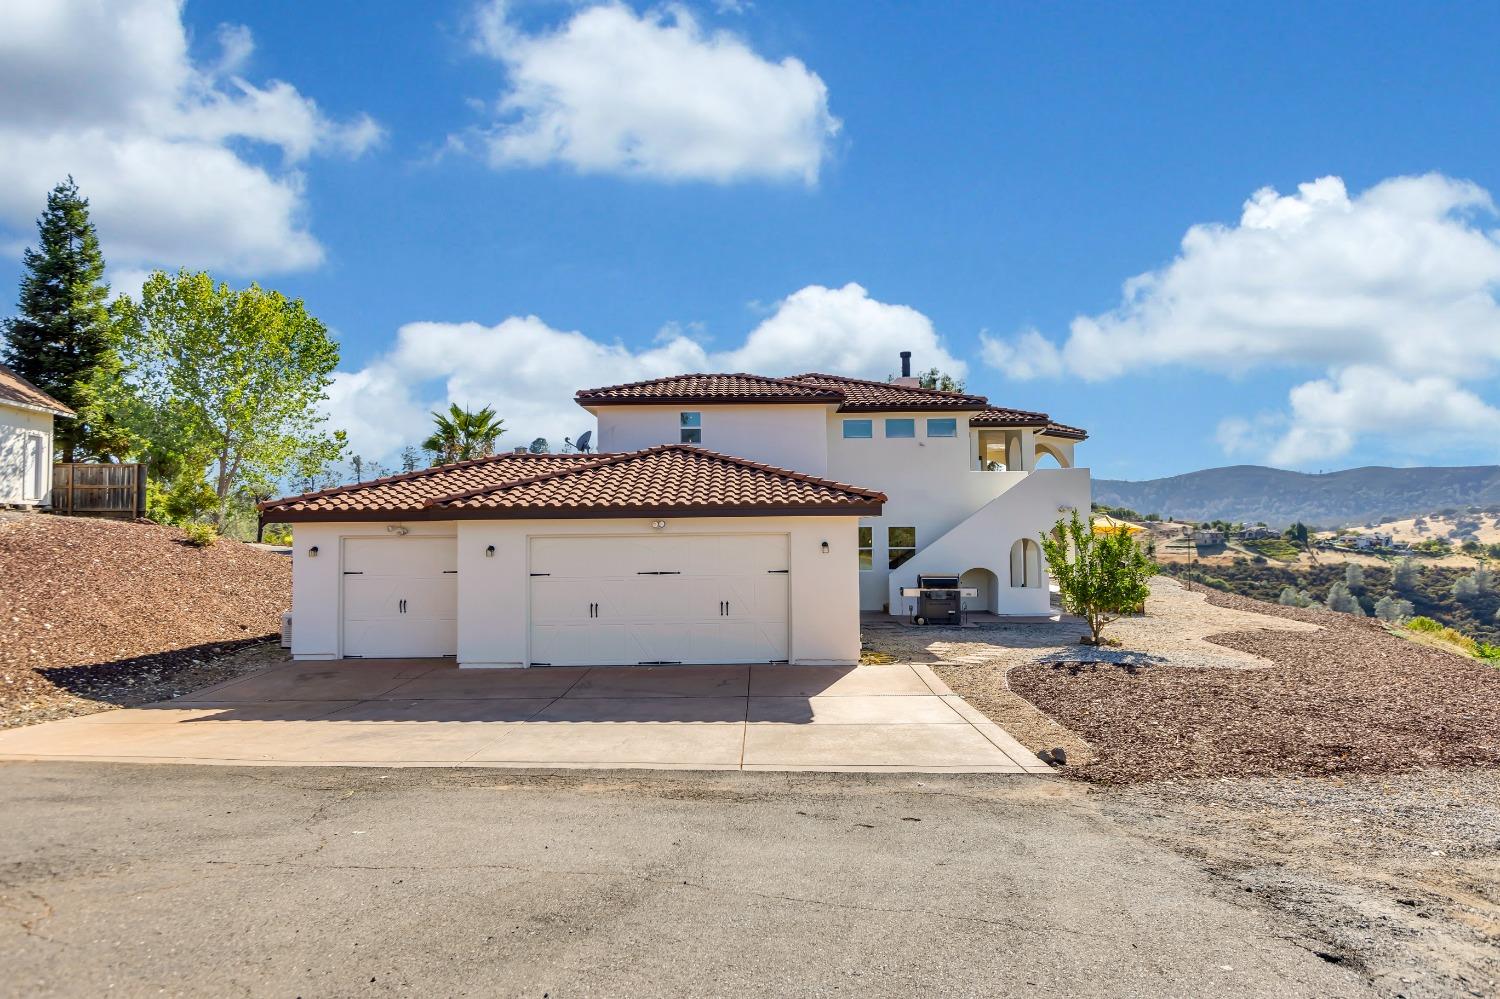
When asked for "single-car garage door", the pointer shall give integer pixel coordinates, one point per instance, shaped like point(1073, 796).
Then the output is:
point(654, 599)
point(400, 597)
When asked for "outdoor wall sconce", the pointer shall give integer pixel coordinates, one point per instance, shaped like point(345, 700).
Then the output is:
point(825, 548)
point(489, 552)
point(312, 552)
point(397, 530)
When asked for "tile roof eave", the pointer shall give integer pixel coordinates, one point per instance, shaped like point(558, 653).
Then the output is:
point(869, 508)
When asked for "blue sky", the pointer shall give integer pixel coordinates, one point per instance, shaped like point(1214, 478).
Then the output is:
point(976, 182)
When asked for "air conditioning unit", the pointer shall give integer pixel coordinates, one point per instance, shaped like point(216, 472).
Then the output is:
point(286, 630)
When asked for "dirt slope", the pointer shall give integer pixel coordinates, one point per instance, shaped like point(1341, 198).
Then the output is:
point(96, 612)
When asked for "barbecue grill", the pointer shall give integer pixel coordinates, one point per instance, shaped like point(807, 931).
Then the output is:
point(939, 599)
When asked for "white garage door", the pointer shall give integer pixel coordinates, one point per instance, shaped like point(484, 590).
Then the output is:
point(652, 599)
point(400, 597)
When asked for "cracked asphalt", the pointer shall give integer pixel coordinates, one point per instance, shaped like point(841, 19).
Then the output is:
point(162, 880)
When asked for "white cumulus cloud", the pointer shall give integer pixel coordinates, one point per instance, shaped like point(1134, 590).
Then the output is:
point(652, 95)
point(529, 370)
point(166, 150)
point(1392, 292)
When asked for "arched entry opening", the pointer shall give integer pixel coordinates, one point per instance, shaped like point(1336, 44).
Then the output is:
point(1026, 564)
point(988, 585)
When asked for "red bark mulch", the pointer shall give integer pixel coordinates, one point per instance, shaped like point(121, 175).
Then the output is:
point(1350, 698)
point(98, 612)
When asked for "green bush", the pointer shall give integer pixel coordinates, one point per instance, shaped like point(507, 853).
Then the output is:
point(1424, 624)
point(199, 535)
point(1452, 636)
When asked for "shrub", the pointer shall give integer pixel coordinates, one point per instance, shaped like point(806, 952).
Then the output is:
point(277, 534)
point(1354, 575)
point(1404, 576)
point(1454, 637)
point(199, 535)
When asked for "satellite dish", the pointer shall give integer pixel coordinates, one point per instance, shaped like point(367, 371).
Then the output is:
point(583, 441)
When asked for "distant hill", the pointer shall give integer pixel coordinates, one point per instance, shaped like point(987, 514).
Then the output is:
point(1252, 493)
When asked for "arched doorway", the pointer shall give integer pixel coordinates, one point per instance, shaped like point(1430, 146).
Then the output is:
point(1026, 564)
point(988, 585)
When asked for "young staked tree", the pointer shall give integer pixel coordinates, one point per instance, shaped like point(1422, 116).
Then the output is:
point(60, 338)
point(1099, 576)
point(225, 387)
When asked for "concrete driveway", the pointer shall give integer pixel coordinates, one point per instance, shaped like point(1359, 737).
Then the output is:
point(897, 718)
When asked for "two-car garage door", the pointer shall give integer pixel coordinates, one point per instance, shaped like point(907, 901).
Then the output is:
point(659, 599)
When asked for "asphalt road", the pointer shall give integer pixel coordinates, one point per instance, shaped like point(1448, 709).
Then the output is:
point(161, 880)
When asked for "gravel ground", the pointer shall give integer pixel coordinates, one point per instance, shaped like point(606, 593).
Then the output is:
point(96, 614)
point(1396, 876)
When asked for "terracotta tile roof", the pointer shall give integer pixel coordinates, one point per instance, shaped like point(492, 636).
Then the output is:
point(19, 392)
point(674, 479)
point(1063, 430)
point(393, 494)
point(861, 396)
point(1001, 417)
point(708, 388)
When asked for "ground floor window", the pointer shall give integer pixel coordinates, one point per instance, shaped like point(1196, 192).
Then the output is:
point(866, 549)
point(901, 544)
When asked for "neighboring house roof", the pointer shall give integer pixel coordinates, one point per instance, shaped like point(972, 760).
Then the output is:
point(671, 479)
point(17, 391)
point(1001, 417)
point(862, 396)
point(393, 494)
point(730, 388)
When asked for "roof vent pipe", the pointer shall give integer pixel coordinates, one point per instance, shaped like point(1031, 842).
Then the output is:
point(906, 364)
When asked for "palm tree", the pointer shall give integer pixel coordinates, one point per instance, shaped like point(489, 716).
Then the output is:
point(462, 434)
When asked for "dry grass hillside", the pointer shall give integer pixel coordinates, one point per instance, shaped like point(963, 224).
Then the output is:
point(96, 612)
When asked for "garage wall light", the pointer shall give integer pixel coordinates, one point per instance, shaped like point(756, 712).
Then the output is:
point(312, 552)
point(398, 530)
point(489, 552)
point(825, 548)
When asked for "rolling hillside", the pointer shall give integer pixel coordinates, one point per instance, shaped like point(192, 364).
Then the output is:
point(1254, 493)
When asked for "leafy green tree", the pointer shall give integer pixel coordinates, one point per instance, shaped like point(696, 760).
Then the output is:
point(1293, 597)
point(1354, 576)
point(1099, 576)
point(411, 460)
point(462, 434)
point(1299, 535)
point(224, 385)
point(932, 378)
point(60, 339)
point(1405, 575)
point(1394, 610)
point(1341, 600)
point(540, 446)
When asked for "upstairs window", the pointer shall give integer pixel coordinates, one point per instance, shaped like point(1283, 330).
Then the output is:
point(866, 549)
point(901, 427)
point(692, 427)
point(942, 428)
point(901, 544)
point(859, 428)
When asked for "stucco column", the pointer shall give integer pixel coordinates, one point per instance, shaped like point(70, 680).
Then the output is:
point(976, 453)
point(1028, 451)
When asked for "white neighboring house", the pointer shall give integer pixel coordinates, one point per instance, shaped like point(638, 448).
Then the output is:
point(727, 518)
point(26, 415)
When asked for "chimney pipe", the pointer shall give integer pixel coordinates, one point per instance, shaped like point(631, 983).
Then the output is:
point(906, 364)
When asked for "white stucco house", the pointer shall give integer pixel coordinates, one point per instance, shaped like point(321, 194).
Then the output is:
point(26, 415)
point(727, 518)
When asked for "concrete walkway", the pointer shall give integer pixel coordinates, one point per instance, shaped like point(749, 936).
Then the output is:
point(898, 718)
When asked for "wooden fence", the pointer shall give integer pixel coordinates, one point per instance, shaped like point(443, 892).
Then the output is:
point(80, 489)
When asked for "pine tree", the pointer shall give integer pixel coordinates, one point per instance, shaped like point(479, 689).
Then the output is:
point(60, 340)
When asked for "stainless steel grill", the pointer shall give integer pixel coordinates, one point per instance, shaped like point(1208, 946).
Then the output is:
point(939, 599)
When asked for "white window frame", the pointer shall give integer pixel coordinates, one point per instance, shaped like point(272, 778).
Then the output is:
point(690, 426)
point(892, 550)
